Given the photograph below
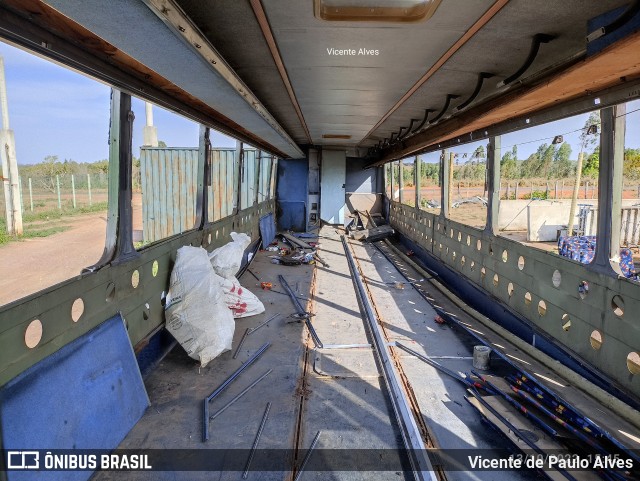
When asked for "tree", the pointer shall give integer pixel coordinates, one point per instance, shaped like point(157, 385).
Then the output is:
point(562, 166)
point(631, 165)
point(509, 166)
point(591, 165)
point(47, 171)
point(529, 167)
point(162, 144)
point(479, 154)
point(587, 139)
point(545, 155)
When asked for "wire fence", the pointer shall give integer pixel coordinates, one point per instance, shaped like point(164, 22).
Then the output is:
point(39, 194)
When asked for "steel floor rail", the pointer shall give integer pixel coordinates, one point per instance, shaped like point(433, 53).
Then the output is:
point(422, 467)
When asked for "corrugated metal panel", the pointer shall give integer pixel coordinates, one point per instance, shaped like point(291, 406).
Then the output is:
point(170, 180)
point(169, 184)
point(249, 178)
point(221, 189)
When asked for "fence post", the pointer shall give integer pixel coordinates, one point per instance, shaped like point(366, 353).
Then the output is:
point(586, 189)
point(30, 194)
point(546, 190)
point(562, 190)
point(20, 193)
point(58, 189)
point(73, 190)
point(516, 188)
point(555, 195)
point(89, 189)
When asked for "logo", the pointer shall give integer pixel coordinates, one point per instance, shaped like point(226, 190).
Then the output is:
point(23, 460)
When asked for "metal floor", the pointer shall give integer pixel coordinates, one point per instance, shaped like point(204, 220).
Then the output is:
point(338, 392)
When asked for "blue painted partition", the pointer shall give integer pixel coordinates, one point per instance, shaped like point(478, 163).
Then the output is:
point(292, 194)
point(87, 395)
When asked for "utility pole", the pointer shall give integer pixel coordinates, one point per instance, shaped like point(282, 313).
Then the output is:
point(9, 164)
point(576, 190)
point(149, 133)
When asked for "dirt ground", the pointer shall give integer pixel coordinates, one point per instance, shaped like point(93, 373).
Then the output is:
point(34, 264)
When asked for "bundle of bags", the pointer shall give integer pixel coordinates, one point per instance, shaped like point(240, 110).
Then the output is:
point(204, 298)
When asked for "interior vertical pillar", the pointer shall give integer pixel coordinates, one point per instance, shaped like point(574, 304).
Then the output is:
point(607, 255)
point(493, 184)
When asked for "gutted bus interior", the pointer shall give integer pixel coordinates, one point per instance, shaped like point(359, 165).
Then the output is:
point(441, 300)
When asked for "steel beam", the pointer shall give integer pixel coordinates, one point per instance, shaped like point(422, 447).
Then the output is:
point(30, 25)
point(493, 185)
point(432, 139)
point(411, 436)
point(445, 186)
point(416, 179)
point(607, 256)
point(183, 27)
point(400, 181)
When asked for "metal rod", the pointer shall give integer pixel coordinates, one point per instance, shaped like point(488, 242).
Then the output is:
point(254, 329)
point(514, 429)
point(347, 346)
point(251, 272)
point(245, 391)
point(244, 336)
point(307, 456)
point(255, 442)
point(434, 364)
point(411, 436)
point(301, 311)
point(285, 294)
point(223, 386)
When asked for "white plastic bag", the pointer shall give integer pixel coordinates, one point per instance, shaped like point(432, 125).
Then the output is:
point(196, 312)
point(226, 260)
point(242, 302)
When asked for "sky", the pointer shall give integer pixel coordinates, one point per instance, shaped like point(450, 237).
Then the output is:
point(57, 111)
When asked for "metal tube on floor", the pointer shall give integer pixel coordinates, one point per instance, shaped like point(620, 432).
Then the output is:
point(515, 430)
point(245, 391)
point(422, 467)
point(254, 329)
point(244, 336)
point(308, 456)
point(223, 386)
point(434, 364)
point(255, 442)
point(301, 311)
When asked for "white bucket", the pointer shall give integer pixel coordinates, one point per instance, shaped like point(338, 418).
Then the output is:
point(481, 356)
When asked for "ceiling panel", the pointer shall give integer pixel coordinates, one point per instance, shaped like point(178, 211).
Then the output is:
point(405, 52)
point(501, 48)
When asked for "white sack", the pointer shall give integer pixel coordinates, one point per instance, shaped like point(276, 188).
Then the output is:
point(242, 302)
point(196, 312)
point(226, 260)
